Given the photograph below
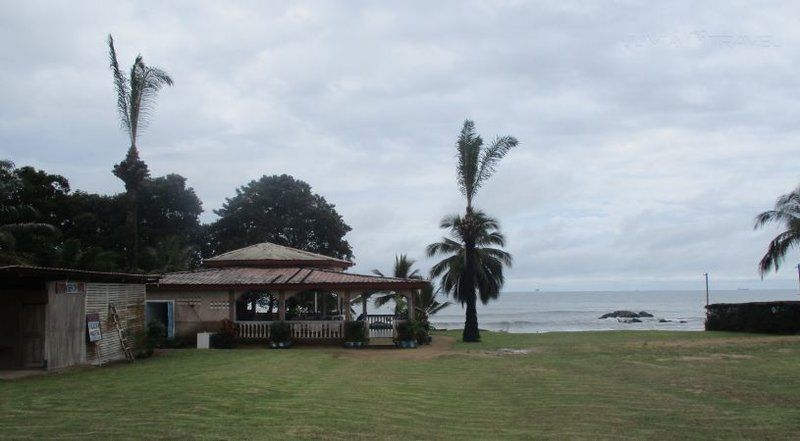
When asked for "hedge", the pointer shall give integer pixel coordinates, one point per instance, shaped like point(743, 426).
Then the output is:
point(761, 317)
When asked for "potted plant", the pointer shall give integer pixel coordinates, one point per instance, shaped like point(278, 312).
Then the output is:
point(421, 332)
point(405, 335)
point(355, 334)
point(280, 335)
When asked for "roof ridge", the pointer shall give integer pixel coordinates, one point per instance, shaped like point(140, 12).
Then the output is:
point(372, 276)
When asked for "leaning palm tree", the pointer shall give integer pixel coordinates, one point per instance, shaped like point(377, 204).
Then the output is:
point(786, 213)
point(136, 94)
point(484, 269)
point(476, 164)
point(403, 269)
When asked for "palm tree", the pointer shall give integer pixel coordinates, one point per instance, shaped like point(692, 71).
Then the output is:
point(403, 269)
point(476, 164)
point(786, 213)
point(485, 268)
point(426, 303)
point(136, 96)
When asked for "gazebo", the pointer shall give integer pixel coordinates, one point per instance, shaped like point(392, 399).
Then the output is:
point(256, 285)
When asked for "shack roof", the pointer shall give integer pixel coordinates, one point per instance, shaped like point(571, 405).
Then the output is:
point(30, 272)
point(295, 278)
point(271, 255)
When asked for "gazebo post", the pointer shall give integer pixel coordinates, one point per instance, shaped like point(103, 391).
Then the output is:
point(281, 306)
point(348, 315)
point(364, 306)
point(411, 311)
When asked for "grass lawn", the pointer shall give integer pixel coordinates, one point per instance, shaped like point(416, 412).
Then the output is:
point(636, 385)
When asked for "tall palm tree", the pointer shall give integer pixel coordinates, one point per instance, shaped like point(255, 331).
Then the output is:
point(476, 164)
point(786, 213)
point(136, 94)
point(403, 269)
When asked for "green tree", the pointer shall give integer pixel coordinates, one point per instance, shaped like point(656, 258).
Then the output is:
point(136, 96)
point(476, 164)
point(282, 210)
point(786, 213)
point(22, 234)
point(403, 269)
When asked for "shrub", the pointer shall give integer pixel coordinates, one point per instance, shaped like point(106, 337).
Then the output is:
point(762, 317)
point(226, 337)
point(420, 331)
point(355, 332)
point(280, 332)
point(143, 349)
point(405, 330)
point(156, 334)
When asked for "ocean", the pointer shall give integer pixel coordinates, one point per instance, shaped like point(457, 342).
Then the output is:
point(580, 311)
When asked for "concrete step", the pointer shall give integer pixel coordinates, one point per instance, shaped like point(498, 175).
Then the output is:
point(381, 341)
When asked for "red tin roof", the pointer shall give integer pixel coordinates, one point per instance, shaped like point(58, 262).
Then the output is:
point(298, 278)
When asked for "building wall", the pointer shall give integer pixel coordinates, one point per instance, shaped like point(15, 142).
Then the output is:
point(22, 342)
point(128, 299)
point(65, 329)
point(196, 311)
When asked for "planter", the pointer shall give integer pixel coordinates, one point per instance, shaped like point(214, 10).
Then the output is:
point(354, 344)
point(406, 344)
point(280, 344)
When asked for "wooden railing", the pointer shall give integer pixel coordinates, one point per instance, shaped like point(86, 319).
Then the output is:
point(313, 329)
point(382, 325)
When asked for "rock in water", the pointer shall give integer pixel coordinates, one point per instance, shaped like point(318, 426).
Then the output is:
point(645, 314)
point(620, 314)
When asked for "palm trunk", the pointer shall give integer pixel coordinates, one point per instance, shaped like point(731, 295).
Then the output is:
point(471, 332)
point(132, 226)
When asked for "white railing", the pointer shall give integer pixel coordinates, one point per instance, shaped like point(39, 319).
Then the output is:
point(382, 325)
point(312, 329)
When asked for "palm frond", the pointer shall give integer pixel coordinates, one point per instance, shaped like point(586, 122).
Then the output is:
point(468, 148)
point(121, 87)
point(491, 156)
point(777, 249)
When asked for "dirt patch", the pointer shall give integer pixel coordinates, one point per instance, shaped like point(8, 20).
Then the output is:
point(509, 352)
point(442, 345)
point(711, 357)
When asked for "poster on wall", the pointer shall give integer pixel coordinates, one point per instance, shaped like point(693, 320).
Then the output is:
point(70, 287)
point(93, 327)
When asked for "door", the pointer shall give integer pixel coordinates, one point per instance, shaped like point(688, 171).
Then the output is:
point(161, 311)
point(31, 322)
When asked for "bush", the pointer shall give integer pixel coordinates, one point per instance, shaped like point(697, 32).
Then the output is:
point(280, 332)
point(156, 334)
point(420, 331)
point(355, 332)
point(226, 337)
point(405, 330)
point(761, 317)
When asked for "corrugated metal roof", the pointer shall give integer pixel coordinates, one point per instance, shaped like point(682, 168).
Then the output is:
point(273, 278)
point(270, 252)
point(31, 271)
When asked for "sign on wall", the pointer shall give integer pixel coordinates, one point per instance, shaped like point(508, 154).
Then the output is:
point(93, 326)
point(70, 288)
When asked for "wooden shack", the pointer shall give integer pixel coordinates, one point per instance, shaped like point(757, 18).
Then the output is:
point(46, 314)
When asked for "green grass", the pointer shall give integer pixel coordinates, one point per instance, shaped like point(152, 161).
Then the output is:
point(635, 385)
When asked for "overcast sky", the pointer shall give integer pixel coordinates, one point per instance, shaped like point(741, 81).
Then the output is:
point(651, 134)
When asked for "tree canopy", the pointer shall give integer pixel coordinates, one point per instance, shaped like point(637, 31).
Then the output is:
point(282, 210)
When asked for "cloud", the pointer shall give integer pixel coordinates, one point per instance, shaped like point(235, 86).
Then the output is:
point(651, 134)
